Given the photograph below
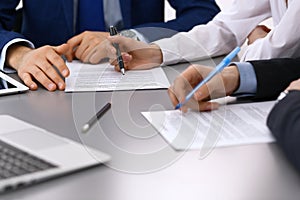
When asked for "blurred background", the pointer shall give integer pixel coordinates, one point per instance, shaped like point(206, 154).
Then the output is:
point(170, 14)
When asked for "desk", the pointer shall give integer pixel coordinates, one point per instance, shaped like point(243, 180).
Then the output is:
point(143, 165)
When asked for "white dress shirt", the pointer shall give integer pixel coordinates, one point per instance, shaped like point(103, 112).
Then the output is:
point(230, 29)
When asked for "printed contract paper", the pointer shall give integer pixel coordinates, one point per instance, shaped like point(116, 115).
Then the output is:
point(103, 77)
point(230, 125)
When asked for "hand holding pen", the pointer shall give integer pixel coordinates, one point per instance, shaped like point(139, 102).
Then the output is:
point(204, 83)
point(113, 31)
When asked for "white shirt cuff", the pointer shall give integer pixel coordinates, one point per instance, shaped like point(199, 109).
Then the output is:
point(4, 50)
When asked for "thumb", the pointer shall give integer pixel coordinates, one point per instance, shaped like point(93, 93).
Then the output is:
point(62, 49)
point(126, 57)
point(65, 49)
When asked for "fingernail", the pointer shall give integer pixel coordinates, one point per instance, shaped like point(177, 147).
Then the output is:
point(65, 72)
point(127, 56)
point(51, 86)
point(32, 86)
point(61, 85)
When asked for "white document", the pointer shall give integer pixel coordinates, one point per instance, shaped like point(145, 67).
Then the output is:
point(103, 77)
point(229, 125)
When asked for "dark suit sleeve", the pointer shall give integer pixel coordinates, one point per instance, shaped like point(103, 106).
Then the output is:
point(284, 123)
point(274, 76)
point(7, 21)
point(189, 13)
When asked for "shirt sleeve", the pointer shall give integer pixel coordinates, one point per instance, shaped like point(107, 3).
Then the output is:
point(282, 41)
point(219, 36)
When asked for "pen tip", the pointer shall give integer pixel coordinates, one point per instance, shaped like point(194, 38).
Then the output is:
point(123, 71)
point(85, 128)
point(178, 106)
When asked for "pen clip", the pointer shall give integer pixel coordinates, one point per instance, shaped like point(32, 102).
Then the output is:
point(113, 31)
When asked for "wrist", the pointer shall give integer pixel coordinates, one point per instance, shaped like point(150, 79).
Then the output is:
point(231, 78)
point(15, 54)
point(157, 56)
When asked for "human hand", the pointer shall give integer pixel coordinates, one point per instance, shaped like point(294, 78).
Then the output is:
point(89, 47)
point(223, 84)
point(136, 54)
point(295, 85)
point(38, 64)
point(260, 31)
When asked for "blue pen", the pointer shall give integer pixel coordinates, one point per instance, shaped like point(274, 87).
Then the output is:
point(218, 68)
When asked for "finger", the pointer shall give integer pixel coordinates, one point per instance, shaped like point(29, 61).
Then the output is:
point(172, 96)
point(181, 87)
point(111, 52)
point(42, 78)
point(96, 56)
point(49, 70)
point(204, 106)
point(175, 101)
point(117, 68)
point(74, 42)
point(94, 53)
point(117, 39)
point(178, 91)
point(96, 48)
point(58, 62)
point(63, 49)
point(265, 28)
point(127, 44)
point(126, 60)
point(80, 50)
point(201, 94)
point(87, 53)
point(28, 81)
point(126, 57)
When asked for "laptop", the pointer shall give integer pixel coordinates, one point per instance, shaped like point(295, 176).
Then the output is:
point(10, 86)
point(29, 154)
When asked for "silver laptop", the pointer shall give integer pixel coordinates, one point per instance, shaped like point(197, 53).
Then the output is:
point(29, 154)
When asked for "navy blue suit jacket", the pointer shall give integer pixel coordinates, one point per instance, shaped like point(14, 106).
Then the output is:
point(50, 22)
point(284, 122)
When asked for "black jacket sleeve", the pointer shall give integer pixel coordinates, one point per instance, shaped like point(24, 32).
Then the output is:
point(274, 76)
point(284, 122)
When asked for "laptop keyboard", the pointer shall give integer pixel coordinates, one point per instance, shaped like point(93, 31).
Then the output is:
point(15, 162)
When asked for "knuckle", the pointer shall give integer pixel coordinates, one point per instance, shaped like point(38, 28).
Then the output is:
point(37, 73)
point(47, 68)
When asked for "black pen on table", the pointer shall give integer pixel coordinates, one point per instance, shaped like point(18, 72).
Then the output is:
point(93, 120)
point(113, 31)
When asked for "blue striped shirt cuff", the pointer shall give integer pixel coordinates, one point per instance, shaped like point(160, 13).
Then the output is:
point(248, 81)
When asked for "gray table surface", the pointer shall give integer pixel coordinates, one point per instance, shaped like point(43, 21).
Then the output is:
point(144, 166)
